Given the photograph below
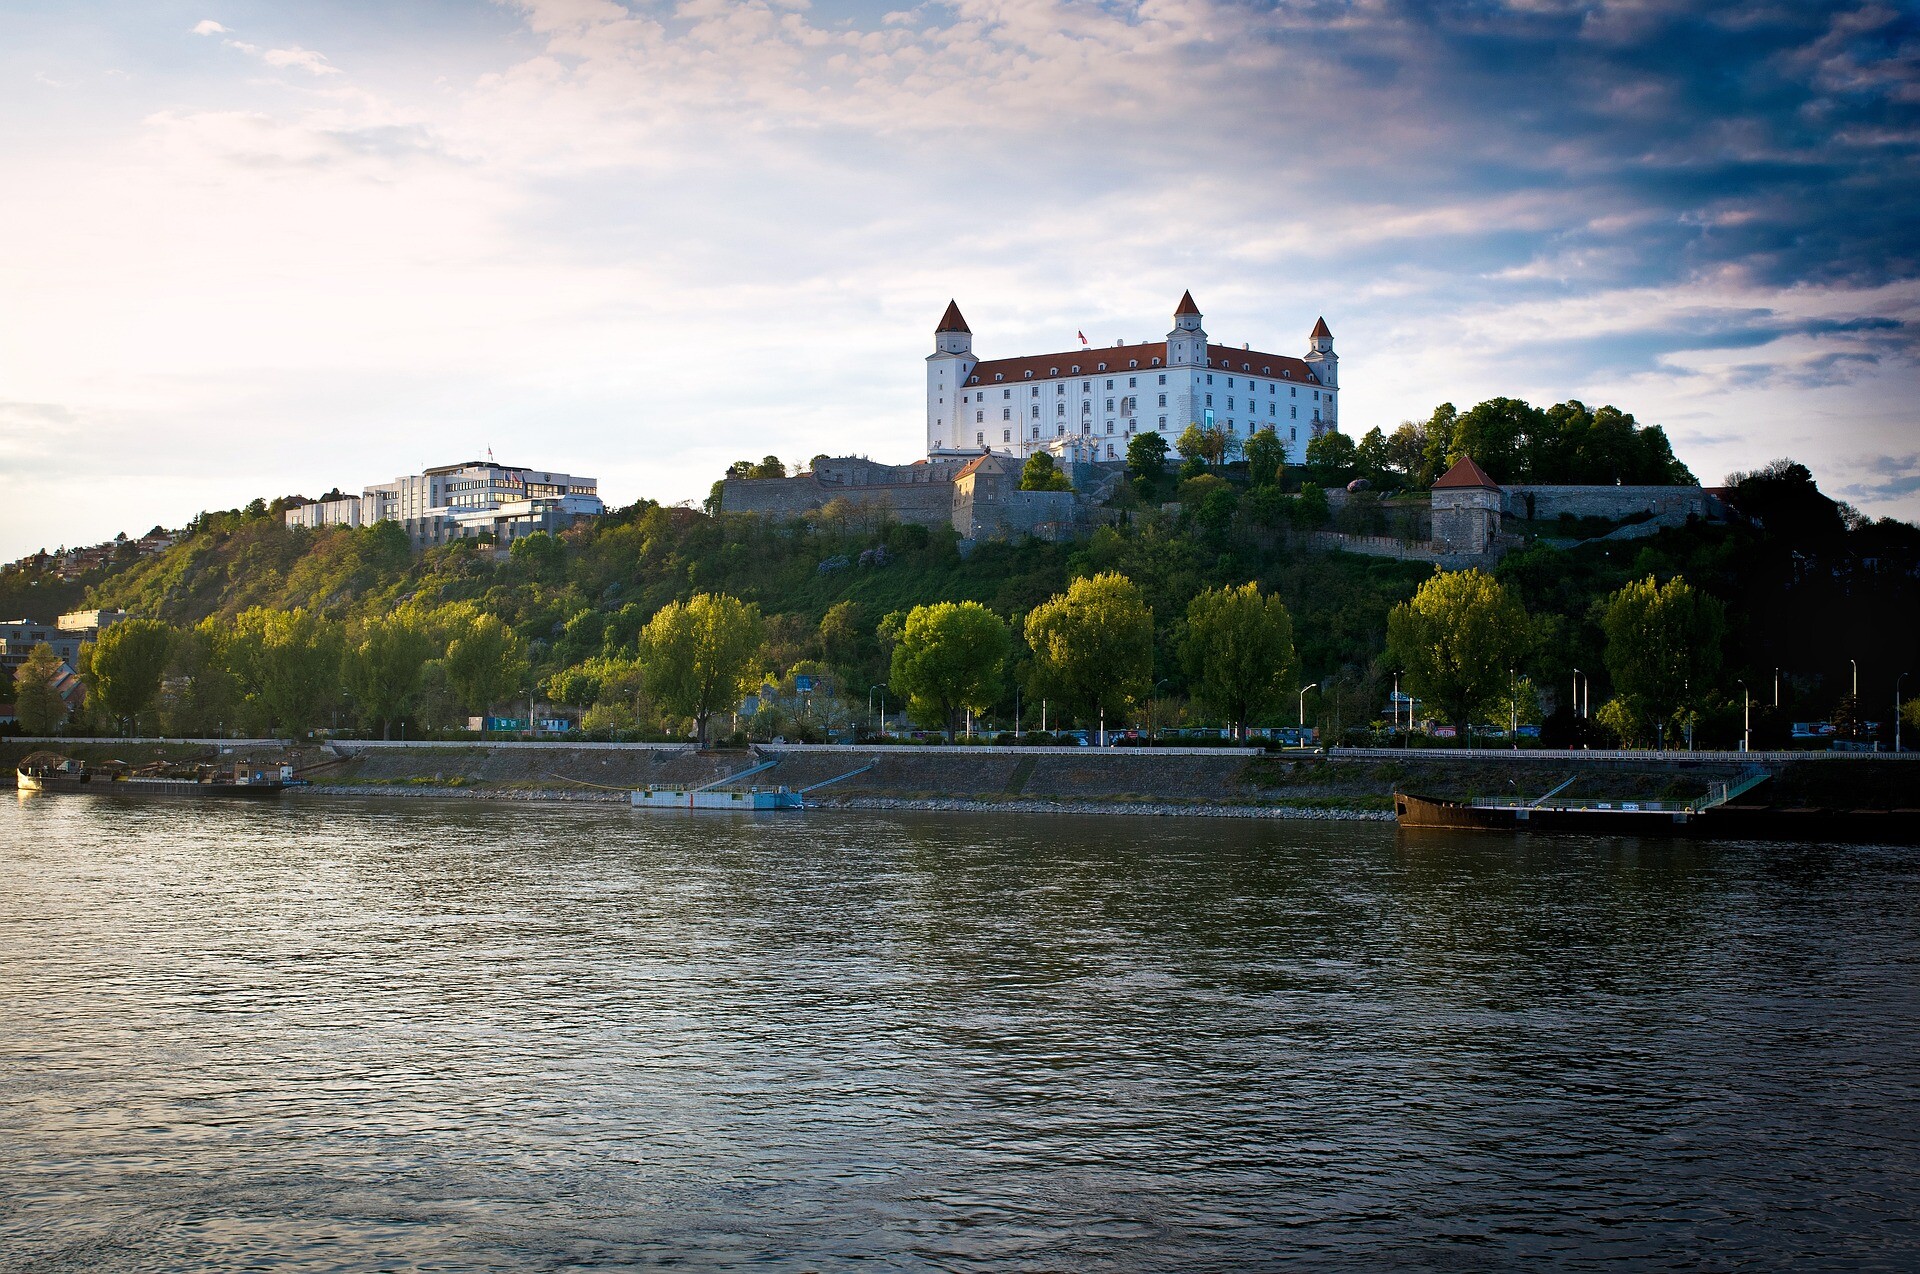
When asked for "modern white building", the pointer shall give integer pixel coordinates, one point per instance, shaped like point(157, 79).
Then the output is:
point(1088, 404)
point(462, 501)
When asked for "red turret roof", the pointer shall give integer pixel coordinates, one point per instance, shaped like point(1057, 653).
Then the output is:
point(1186, 305)
point(951, 320)
point(1465, 473)
point(1321, 332)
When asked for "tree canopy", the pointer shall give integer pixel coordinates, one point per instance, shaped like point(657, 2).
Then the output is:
point(1093, 645)
point(37, 705)
point(950, 657)
point(1663, 654)
point(1458, 640)
point(126, 663)
point(1239, 652)
point(702, 655)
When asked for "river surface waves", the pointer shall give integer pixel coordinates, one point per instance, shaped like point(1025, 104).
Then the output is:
point(359, 1034)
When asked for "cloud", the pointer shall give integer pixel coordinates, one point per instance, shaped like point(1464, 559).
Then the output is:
point(207, 26)
point(1696, 209)
point(303, 59)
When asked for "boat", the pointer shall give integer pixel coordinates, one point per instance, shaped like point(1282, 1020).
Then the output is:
point(742, 800)
point(1714, 816)
point(49, 772)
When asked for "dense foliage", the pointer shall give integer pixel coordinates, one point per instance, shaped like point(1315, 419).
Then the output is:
point(282, 628)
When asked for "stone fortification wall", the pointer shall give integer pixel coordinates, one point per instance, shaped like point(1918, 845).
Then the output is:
point(1670, 506)
point(926, 501)
point(1402, 550)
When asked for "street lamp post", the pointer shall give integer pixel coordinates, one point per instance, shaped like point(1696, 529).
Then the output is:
point(1746, 718)
point(1303, 704)
point(1897, 681)
point(1513, 713)
point(1573, 706)
point(1776, 687)
point(1856, 682)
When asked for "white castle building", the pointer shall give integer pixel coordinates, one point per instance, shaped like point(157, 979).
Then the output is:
point(1087, 404)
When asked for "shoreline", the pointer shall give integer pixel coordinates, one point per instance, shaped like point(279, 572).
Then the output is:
point(927, 805)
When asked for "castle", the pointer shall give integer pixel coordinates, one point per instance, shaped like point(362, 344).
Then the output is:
point(1085, 405)
point(984, 419)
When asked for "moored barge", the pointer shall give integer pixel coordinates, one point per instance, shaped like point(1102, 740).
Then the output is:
point(47, 772)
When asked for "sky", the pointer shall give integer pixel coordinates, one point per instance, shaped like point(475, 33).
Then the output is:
point(256, 249)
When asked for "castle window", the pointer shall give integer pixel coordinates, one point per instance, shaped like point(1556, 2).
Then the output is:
point(1060, 388)
point(1156, 363)
point(1036, 411)
point(1034, 392)
point(1293, 413)
point(1162, 402)
point(1005, 393)
point(1109, 426)
point(1293, 434)
point(1101, 368)
point(981, 439)
point(1109, 404)
point(1209, 400)
point(1132, 381)
point(1229, 403)
point(1133, 362)
point(1163, 378)
point(998, 376)
point(1293, 391)
point(1229, 382)
point(1163, 422)
point(1086, 386)
point(1060, 410)
point(1062, 431)
point(1209, 378)
point(1109, 384)
point(1053, 371)
point(1006, 413)
point(979, 416)
point(1287, 372)
point(1029, 375)
point(1036, 431)
point(1006, 435)
point(1076, 369)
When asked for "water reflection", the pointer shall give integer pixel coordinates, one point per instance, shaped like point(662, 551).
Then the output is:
point(346, 1034)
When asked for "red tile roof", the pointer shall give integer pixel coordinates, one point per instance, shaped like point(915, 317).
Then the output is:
point(951, 320)
point(1220, 358)
point(1320, 332)
point(1465, 473)
point(1186, 305)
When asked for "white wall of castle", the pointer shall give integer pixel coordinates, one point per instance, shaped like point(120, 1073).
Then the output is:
point(1100, 400)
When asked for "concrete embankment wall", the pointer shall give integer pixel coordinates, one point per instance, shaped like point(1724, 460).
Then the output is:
point(1170, 777)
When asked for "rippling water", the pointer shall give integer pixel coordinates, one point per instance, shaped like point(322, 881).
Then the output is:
point(337, 1034)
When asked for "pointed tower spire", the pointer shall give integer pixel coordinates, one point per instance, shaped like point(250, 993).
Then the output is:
point(951, 321)
point(1321, 332)
point(1186, 305)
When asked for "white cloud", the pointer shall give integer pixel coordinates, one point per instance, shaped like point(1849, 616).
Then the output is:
point(304, 59)
point(561, 254)
point(207, 26)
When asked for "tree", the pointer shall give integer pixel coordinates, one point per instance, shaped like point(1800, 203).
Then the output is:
point(486, 663)
point(1238, 652)
point(385, 667)
point(1093, 645)
point(1663, 653)
point(200, 695)
point(848, 645)
point(1332, 456)
point(1265, 457)
point(1205, 446)
point(37, 705)
point(288, 663)
point(701, 656)
point(1373, 457)
point(542, 555)
point(1147, 456)
point(951, 657)
point(128, 661)
point(1041, 474)
point(1456, 638)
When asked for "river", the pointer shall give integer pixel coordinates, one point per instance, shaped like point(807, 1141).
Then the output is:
point(339, 1034)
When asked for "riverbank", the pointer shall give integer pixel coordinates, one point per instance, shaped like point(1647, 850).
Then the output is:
point(1217, 782)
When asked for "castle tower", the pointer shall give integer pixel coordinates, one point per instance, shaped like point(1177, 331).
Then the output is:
point(1187, 342)
point(948, 367)
point(1320, 356)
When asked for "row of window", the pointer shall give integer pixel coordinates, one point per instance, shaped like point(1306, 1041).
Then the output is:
point(1285, 372)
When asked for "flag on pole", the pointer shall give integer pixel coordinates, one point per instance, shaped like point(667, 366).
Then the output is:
point(1082, 336)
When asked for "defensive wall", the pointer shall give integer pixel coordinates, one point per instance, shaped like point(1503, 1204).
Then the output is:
point(1670, 506)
